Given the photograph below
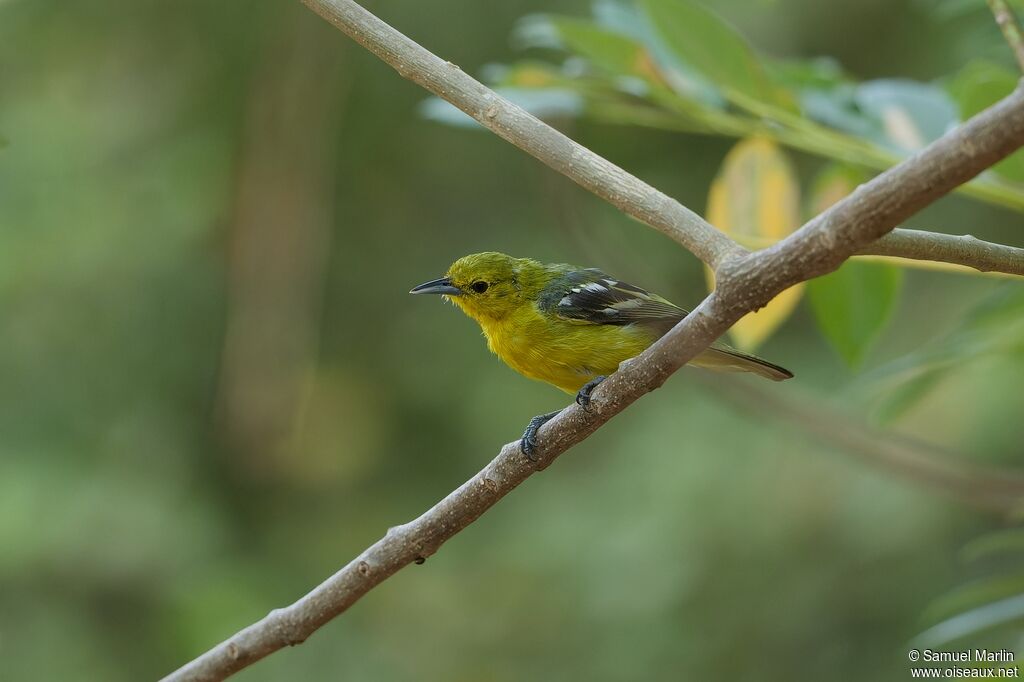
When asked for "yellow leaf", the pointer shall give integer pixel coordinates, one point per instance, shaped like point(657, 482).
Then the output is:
point(756, 200)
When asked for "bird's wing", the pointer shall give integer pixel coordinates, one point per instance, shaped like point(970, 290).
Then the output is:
point(591, 296)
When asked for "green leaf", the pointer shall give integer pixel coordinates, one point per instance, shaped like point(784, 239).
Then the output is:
point(836, 107)
point(819, 73)
point(908, 115)
point(898, 115)
point(623, 16)
point(606, 49)
point(998, 543)
point(706, 42)
point(974, 594)
point(629, 53)
point(995, 326)
point(622, 112)
point(977, 86)
point(985, 605)
point(985, 619)
point(853, 304)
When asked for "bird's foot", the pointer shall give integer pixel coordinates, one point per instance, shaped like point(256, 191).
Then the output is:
point(528, 443)
point(583, 395)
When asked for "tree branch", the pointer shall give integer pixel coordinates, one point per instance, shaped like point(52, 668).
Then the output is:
point(608, 181)
point(512, 123)
point(745, 282)
point(1010, 27)
point(875, 207)
point(935, 247)
point(947, 248)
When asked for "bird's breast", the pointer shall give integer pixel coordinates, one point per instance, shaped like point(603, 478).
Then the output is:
point(560, 352)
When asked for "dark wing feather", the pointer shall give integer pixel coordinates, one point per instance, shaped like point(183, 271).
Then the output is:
point(591, 296)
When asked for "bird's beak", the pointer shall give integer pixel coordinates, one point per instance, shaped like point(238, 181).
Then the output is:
point(437, 286)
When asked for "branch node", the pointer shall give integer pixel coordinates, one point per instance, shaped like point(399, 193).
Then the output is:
point(395, 530)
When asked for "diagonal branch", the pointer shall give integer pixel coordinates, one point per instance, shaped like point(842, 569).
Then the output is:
point(876, 207)
point(1010, 27)
point(746, 282)
point(615, 185)
point(511, 122)
point(608, 181)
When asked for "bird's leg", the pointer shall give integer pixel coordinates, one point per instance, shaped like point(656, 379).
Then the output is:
point(583, 395)
point(528, 443)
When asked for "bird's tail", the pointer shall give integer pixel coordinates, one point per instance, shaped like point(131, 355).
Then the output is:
point(724, 358)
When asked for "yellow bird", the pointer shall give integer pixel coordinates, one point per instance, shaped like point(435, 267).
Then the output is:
point(568, 326)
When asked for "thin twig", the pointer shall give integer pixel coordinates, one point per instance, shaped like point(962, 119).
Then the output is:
point(745, 283)
point(947, 248)
point(1010, 27)
point(935, 248)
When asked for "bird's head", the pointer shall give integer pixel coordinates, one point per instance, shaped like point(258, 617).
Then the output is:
point(487, 286)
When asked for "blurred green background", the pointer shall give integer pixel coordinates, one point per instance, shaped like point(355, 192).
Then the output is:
point(215, 390)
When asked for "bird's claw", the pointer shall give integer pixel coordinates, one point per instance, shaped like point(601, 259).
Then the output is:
point(528, 443)
point(583, 395)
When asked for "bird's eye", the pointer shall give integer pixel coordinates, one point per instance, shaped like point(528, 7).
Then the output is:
point(479, 286)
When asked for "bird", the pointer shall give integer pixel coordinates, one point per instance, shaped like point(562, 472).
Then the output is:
point(568, 326)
